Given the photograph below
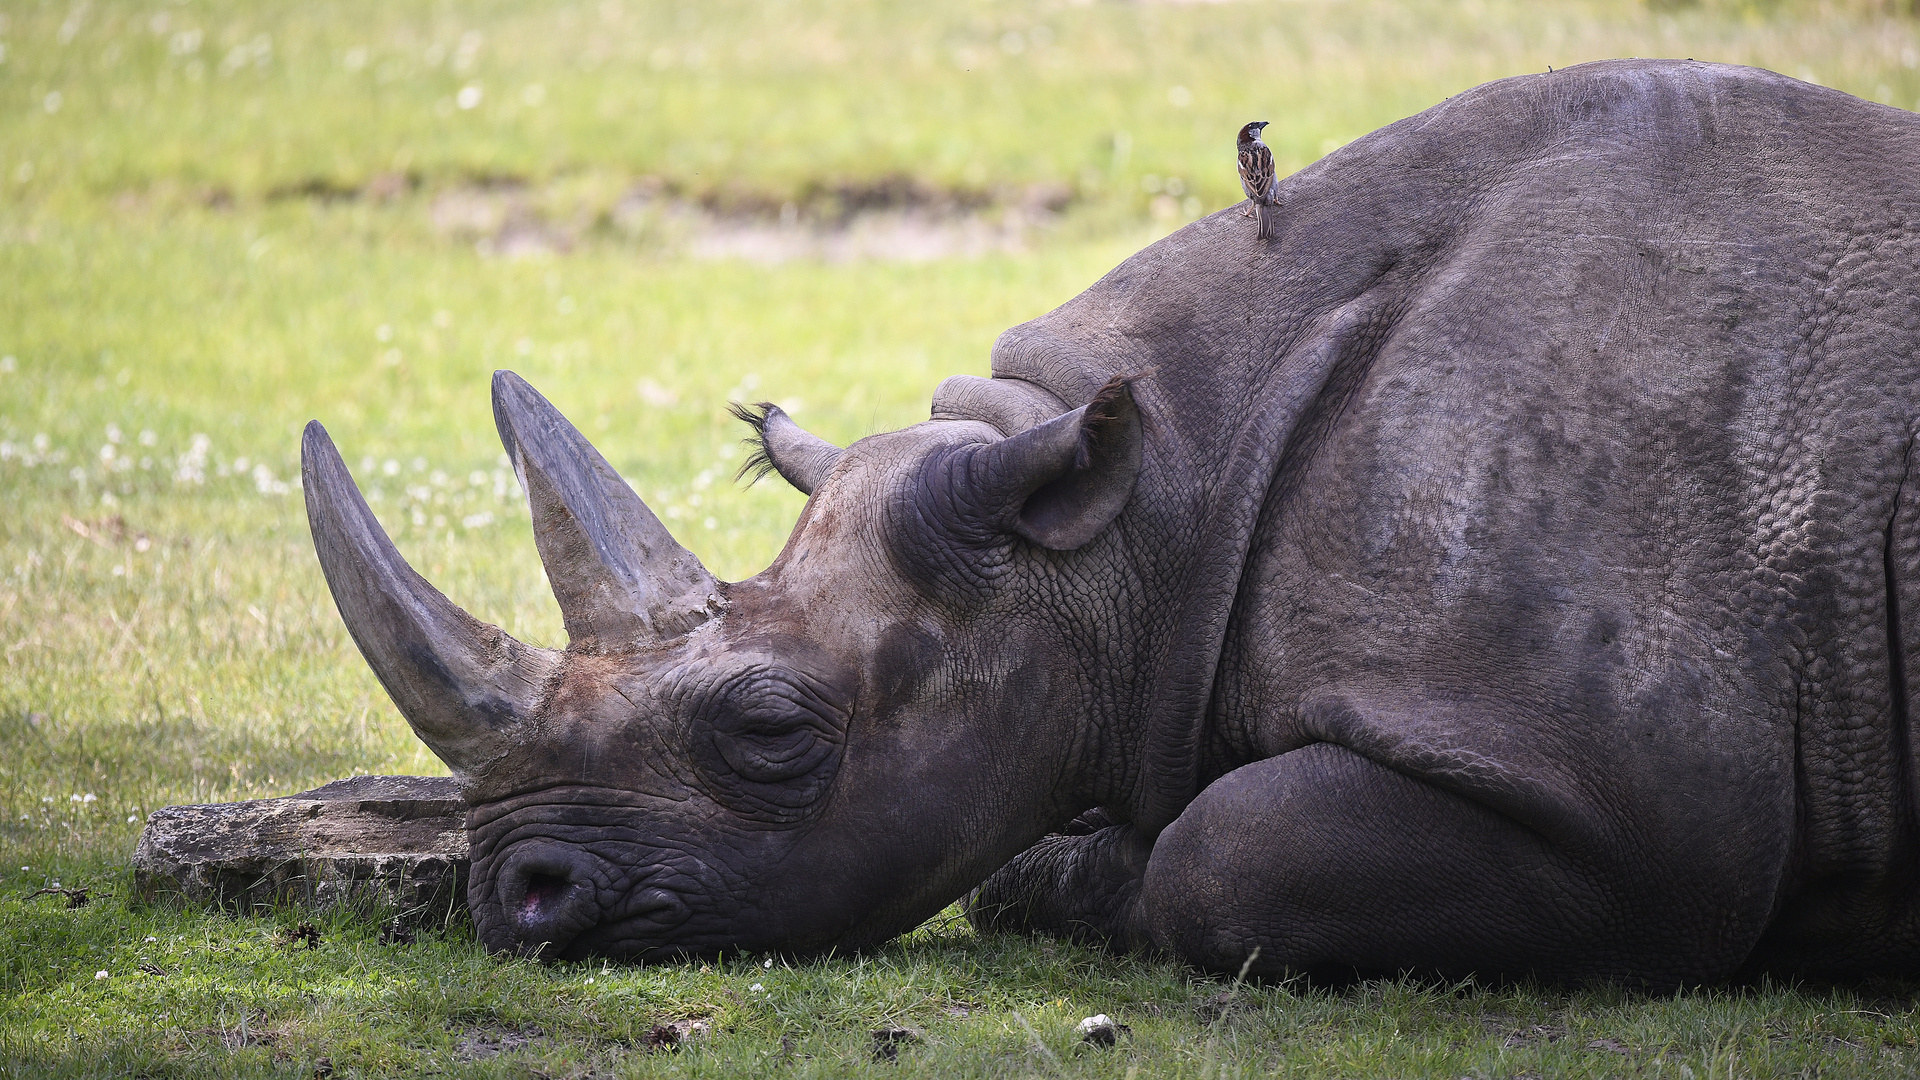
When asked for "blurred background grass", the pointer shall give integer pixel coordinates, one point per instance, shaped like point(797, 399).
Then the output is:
point(219, 219)
point(763, 100)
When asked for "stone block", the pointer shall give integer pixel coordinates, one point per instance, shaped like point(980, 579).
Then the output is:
point(377, 840)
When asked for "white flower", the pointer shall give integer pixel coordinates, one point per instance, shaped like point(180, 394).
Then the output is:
point(192, 466)
point(264, 483)
point(757, 988)
point(99, 975)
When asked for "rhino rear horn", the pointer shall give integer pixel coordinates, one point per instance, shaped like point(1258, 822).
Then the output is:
point(462, 684)
point(802, 458)
point(1060, 483)
point(618, 574)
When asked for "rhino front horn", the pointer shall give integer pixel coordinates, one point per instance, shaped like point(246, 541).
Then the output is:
point(462, 684)
point(618, 574)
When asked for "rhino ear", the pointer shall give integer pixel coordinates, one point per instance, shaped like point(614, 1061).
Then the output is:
point(1060, 483)
point(780, 445)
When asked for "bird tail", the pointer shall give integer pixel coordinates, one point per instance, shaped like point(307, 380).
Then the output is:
point(1265, 212)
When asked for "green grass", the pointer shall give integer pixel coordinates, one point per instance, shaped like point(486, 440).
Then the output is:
point(764, 99)
point(238, 997)
point(185, 279)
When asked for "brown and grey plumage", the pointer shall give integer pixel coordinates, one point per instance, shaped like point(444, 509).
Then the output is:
point(1256, 176)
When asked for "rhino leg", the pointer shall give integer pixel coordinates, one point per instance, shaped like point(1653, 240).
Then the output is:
point(1335, 866)
point(1083, 887)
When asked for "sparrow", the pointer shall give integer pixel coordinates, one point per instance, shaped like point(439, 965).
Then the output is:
point(1256, 176)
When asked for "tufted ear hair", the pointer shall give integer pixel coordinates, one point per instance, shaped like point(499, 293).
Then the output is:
point(1060, 483)
point(780, 445)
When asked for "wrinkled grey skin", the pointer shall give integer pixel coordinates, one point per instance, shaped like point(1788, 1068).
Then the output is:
point(1510, 568)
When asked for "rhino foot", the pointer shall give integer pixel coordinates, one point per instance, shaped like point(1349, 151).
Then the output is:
point(1082, 885)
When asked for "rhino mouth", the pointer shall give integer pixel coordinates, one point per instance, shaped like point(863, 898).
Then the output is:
point(640, 931)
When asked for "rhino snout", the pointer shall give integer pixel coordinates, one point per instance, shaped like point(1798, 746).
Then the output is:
point(548, 895)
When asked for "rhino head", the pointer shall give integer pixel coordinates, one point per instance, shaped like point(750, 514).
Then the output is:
point(818, 757)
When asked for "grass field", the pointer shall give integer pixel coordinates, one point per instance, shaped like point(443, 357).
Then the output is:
point(220, 219)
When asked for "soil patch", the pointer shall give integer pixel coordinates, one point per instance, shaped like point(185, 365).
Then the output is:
point(481, 1043)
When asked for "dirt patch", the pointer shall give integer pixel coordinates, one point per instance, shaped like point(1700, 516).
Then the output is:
point(675, 1033)
point(251, 1029)
point(887, 1041)
point(890, 219)
point(481, 1043)
point(500, 219)
point(485, 1042)
point(106, 532)
point(381, 187)
point(1519, 1038)
point(1214, 1008)
point(895, 217)
point(835, 202)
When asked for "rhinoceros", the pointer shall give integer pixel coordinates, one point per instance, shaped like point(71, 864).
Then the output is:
point(1506, 568)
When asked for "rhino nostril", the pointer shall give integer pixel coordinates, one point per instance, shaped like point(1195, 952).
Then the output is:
point(545, 896)
point(544, 893)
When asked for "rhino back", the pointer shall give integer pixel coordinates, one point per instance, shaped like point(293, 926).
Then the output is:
point(1608, 522)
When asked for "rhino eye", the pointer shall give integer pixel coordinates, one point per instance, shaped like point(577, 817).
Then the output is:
point(772, 740)
point(771, 745)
